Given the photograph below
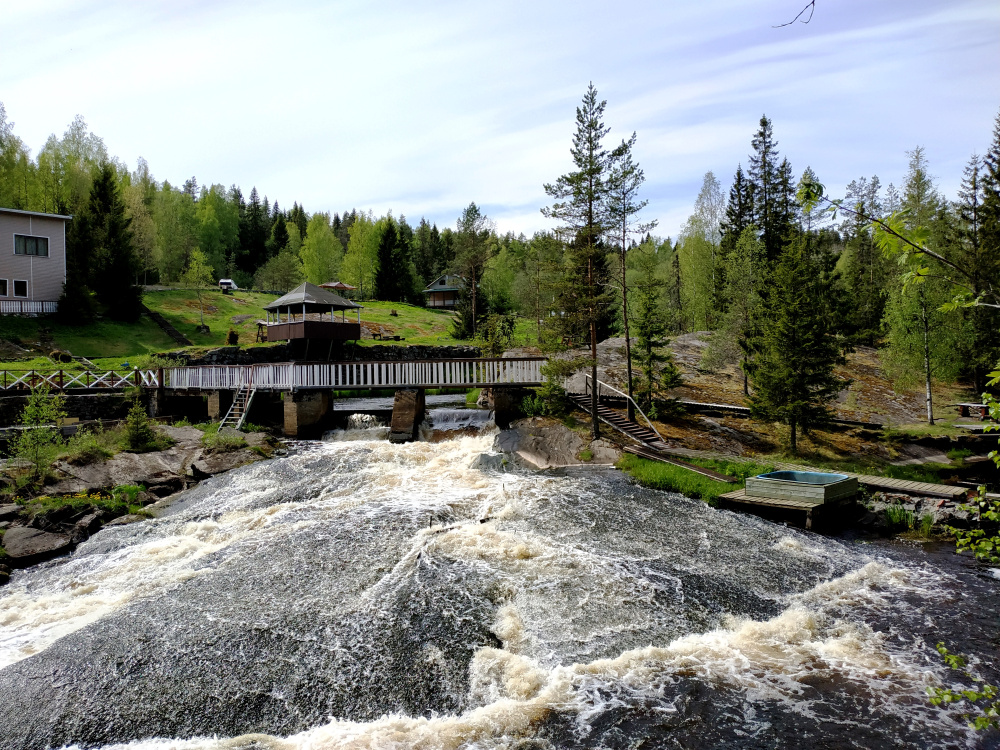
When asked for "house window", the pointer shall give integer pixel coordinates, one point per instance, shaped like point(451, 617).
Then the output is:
point(3, 287)
point(20, 288)
point(26, 245)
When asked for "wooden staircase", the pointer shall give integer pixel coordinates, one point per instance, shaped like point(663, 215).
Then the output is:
point(612, 418)
point(237, 413)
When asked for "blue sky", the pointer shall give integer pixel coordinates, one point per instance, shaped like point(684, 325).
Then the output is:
point(423, 107)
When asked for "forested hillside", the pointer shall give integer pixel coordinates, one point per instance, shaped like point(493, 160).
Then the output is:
point(781, 282)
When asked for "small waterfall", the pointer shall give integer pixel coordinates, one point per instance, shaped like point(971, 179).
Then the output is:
point(359, 427)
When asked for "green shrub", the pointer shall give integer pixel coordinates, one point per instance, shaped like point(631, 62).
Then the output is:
point(586, 455)
point(899, 517)
point(550, 400)
point(926, 524)
point(40, 442)
point(957, 454)
point(472, 396)
point(92, 444)
point(223, 442)
point(140, 436)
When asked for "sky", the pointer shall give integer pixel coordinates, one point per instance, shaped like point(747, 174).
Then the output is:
point(420, 108)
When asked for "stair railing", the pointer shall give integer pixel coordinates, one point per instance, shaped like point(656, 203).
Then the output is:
point(601, 384)
point(240, 387)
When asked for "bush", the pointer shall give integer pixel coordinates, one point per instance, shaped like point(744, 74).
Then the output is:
point(223, 442)
point(140, 436)
point(233, 337)
point(91, 445)
point(550, 399)
point(899, 517)
point(38, 444)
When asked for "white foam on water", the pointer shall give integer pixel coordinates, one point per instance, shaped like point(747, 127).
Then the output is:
point(555, 582)
point(773, 660)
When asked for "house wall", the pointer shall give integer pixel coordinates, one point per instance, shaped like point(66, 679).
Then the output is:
point(45, 276)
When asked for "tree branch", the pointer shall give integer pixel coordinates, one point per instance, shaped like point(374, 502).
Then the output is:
point(811, 7)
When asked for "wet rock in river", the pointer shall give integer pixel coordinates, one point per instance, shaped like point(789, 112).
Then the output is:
point(26, 545)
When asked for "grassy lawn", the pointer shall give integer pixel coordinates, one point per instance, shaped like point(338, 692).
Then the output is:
point(670, 478)
point(417, 325)
point(109, 344)
point(239, 311)
point(101, 339)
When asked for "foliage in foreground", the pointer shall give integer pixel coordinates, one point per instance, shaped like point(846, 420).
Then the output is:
point(984, 699)
point(119, 501)
point(550, 400)
point(38, 443)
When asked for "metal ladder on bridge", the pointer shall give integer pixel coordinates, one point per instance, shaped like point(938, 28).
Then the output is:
point(647, 435)
point(237, 413)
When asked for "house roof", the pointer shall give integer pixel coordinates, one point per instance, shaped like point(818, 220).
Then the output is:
point(34, 213)
point(337, 285)
point(446, 283)
point(312, 297)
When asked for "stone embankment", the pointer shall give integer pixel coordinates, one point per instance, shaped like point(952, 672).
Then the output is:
point(30, 538)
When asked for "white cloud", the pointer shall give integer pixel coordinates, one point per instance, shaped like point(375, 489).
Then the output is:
point(423, 108)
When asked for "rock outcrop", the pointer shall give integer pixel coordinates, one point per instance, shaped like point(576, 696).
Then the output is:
point(27, 546)
point(540, 443)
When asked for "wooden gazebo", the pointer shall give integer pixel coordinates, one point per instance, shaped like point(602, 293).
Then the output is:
point(302, 314)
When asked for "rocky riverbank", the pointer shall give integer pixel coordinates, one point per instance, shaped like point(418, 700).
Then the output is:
point(84, 499)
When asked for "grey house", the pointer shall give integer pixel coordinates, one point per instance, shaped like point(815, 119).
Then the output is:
point(32, 261)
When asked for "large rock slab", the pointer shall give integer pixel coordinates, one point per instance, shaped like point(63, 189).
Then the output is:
point(10, 511)
point(26, 546)
point(544, 444)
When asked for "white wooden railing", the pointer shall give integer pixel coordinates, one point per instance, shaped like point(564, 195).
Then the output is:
point(26, 307)
point(295, 376)
point(64, 379)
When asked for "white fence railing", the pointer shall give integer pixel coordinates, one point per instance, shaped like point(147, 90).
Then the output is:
point(294, 376)
point(64, 379)
point(26, 307)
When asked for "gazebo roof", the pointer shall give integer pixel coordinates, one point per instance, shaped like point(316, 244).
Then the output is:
point(337, 285)
point(313, 298)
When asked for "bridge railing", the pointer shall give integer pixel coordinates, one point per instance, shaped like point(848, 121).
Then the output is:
point(306, 375)
point(287, 376)
point(59, 380)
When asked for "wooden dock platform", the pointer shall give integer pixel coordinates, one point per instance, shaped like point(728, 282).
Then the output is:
point(806, 506)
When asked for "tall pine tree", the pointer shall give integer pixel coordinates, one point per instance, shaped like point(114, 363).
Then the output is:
point(792, 374)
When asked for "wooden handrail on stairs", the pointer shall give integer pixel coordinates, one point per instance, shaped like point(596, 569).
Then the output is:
point(602, 384)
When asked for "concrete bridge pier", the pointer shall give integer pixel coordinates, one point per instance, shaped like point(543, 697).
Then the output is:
point(305, 410)
point(408, 410)
point(219, 403)
point(506, 403)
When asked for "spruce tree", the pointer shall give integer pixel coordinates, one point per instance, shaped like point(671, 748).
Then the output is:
point(657, 371)
point(867, 272)
point(105, 258)
point(792, 374)
point(768, 177)
point(739, 215)
point(580, 204)
point(624, 181)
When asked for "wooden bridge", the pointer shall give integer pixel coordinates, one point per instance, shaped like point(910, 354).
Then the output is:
point(293, 376)
point(301, 391)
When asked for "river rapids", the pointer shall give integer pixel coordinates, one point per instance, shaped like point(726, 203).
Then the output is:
point(357, 594)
